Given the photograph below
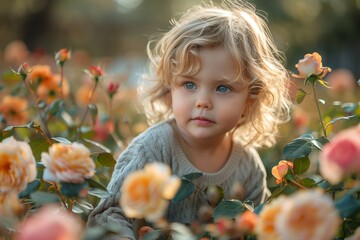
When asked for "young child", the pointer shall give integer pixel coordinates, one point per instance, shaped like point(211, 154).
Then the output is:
point(219, 86)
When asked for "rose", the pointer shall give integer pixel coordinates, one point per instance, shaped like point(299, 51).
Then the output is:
point(17, 165)
point(51, 223)
point(67, 163)
point(96, 72)
point(246, 222)
point(24, 70)
point(14, 110)
point(280, 170)
point(62, 56)
point(144, 193)
point(9, 203)
point(308, 215)
point(311, 64)
point(341, 156)
point(265, 228)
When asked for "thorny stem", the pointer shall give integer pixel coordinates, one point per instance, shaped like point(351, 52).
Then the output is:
point(86, 111)
point(46, 129)
point(318, 109)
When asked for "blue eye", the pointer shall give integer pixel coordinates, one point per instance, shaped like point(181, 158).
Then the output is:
point(223, 89)
point(190, 85)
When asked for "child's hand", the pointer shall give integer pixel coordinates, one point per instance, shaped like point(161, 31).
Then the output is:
point(144, 230)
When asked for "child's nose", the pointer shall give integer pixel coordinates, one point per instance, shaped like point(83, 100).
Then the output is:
point(204, 101)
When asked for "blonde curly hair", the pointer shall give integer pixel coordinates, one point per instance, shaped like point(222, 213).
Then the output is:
point(244, 33)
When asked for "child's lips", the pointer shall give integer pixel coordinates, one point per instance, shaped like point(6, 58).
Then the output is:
point(203, 121)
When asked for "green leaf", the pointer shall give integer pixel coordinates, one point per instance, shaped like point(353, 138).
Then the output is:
point(95, 184)
point(44, 197)
point(30, 188)
point(323, 140)
point(186, 189)
point(277, 192)
point(301, 165)
point(312, 79)
point(341, 118)
point(99, 193)
point(348, 206)
point(72, 189)
point(308, 182)
point(300, 95)
point(323, 83)
point(99, 145)
point(228, 209)
point(38, 145)
point(192, 176)
point(106, 159)
point(289, 189)
point(61, 140)
point(84, 205)
point(298, 148)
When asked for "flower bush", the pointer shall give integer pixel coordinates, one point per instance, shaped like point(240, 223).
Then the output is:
point(59, 144)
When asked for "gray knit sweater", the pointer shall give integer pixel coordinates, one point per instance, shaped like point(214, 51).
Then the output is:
point(159, 143)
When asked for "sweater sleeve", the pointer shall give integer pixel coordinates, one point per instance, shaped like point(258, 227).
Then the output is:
point(256, 187)
point(147, 147)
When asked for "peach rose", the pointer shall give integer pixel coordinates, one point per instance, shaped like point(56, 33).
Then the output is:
point(50, 89)
point(280, 170)
point(14, 110)
point(9, 203)
point(341, 156)
point(144, 193)
point(51, 223)
point(246, 222)
point(309, 215)
point(40, 73)
point(266, 228)
point(68, 163)
point(17, 165)
point(311, 64)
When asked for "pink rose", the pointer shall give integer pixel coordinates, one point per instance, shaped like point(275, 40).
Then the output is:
point(341, 156)
point(311, 64)
point(51, 223)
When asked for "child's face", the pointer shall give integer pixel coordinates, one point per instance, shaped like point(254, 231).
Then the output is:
point(208, 105)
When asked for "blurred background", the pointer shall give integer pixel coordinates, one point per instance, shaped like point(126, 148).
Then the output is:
point(121, 28)
point(114, 33)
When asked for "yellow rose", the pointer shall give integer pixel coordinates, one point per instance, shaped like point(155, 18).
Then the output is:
point(311, 64)
point(308, 215)
point(17, 165)
point(68, 163)
point(145, 193)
